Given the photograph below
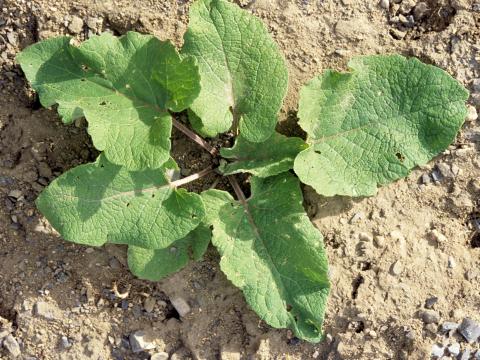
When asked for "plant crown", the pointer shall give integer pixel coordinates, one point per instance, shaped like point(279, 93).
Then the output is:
point(365, 128)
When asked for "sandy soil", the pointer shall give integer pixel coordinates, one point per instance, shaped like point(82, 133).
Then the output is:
point(389, 254)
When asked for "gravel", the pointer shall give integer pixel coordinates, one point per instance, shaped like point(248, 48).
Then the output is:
point(437, 350)
point(385, 4)
point(449, 326)
point(12, 346)
point(159, 356)
point(430, 302)
point(46, 310)
point(469, 329)
point(139, 343)
point(76, 25)
point(466, 355)
point(454, 349)
point(181, 306)
point(397, 268)
point(429, 316)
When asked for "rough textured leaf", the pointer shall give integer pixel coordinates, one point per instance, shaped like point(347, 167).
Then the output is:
point(272, 157)
point(243, 75)
point(101, 202)
point(156, 264)
point(373, 125)
point(123, 86)
point(270, 250)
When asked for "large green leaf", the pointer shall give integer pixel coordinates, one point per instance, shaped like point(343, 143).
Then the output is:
point(272, 157)
point(270, 250)
point(243, 75)
point(101, 202)
point(156, 264)
point(123, 86)
point(373, 125)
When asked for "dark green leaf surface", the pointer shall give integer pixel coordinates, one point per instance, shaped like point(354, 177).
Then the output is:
point(272, 157)
point(100, 202)
point(156, 264)
point(373, 125)
point(243, 74)
point(123, 86)
point(270, 250)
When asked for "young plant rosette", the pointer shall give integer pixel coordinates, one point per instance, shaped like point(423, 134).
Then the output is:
point(365, 128)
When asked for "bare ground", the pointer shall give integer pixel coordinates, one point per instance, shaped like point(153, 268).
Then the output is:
point(422, 226)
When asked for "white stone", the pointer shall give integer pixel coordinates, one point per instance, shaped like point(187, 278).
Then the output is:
point(181, 306)
point(472, 114)
point(159, 356)
point(12, 346)
point(139, 342)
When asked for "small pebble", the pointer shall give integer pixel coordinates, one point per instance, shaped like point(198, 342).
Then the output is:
point(12, 346)
point(466, 354)
point(454, 349)
point(449, 326)
point(12, 38)
point(379, 241)
point(385, 4)
point(469, 329)
point(432, 328)
point(139, 343)
point(426, 179)
point(149, 304)
point(16, 194)
point(365, 237)
point(436, 176)
point(476, 85)
point(420, 10)
point(472, 114)
point(159, 356)
point(437, 236)
point(65, 343)
point(397, 268)
point(451, 262)
point(437, 350)
point(181, 306)
point(76, 25)
point(477, 355)
point(429, 316)
point(430, 302)
point(445, 170)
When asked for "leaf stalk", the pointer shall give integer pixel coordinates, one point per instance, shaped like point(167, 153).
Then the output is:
point(192, 177)
point(195, 137)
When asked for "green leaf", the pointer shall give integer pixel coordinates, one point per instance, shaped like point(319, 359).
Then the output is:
point(272, 157)
point(243, 74)
point(123, 86)
point(270, 250)
point(156, 264)
point(373, 125)
point(101, 202)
